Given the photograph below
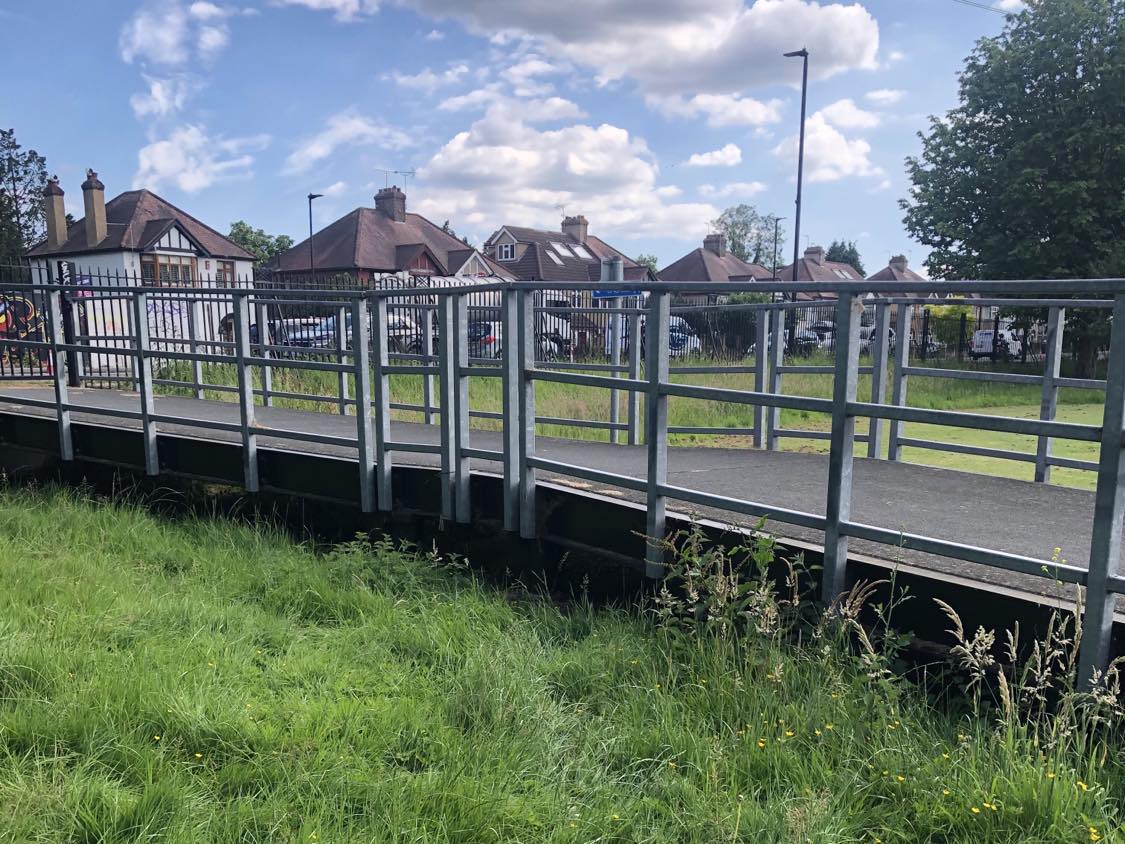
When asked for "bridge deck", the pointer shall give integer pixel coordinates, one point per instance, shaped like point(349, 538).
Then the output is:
point(1008, 515)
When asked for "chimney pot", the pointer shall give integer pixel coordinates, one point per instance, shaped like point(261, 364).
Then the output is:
point(899, 263)
point(56, 213)
point(392, 202)
point(93, 197)
point(716, 243)
point(576, 227)
point(816, 255)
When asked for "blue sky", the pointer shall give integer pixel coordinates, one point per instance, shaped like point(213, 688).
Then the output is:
point(647, 117)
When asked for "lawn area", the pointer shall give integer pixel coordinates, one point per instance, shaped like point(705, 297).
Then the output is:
point(201, 680)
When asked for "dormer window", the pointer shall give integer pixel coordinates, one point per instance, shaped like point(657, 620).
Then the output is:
point(506, 252)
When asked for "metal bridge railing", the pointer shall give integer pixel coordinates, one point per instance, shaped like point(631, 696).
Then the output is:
point(368, 350)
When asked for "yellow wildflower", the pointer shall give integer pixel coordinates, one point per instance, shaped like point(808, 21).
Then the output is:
point(789, 733)
point(1083, 786)
point(761, 742)
point(1094, 834)
point(900, 778)
point(975, 810)
point(156, 738)
point(199, 756)
point(946, 792)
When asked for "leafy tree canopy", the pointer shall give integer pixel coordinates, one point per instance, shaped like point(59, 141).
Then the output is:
point(1024, 179)
point(845, 252)
point(750, 234)
point(23, 176)
point(263, 246)
point(646, 260)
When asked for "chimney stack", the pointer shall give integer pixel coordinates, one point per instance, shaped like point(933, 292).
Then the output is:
point(898, 262)
point(716, 243)
point(56, 213)
point(392, 202)
point(93, 196)
point(576, 227)
point(816, 255)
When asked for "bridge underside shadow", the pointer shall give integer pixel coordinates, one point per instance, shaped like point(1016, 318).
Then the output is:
point(587, 532)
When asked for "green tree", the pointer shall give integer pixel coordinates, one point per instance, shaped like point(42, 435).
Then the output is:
point(1023, 179)
point(647, 260)
point(750, 234)
point(845, 252)
point(263, 246)
point(23, 176)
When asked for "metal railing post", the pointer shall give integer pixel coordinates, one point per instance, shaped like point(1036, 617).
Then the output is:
point(447, 363)
point(656, 411)
point(849, 312)
point(615, 360)
point(370, 346)
point(462, 470)
point(144, 383)
point(777, 358)
point(1109, 508)
point(880, 342)
point(428, 350)
point(1049, 400)
point(525, 391)
point(511, 396)
point(903, 321)
point(261, 308)
point(633, 397)
point(341, 348)
point(761, 355)
point(194, 321)
point(245, 393)
point(58, 367)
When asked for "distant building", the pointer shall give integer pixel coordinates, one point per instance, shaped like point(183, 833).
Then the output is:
point(813, 266)
point(137, 235)
point(369, 243)
point(570, 254)
point(711, 262)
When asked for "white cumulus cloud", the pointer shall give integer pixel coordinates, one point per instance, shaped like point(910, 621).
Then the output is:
point(503, 170)
point(829, 155)
point(726, 156)
point(164, 96)
point(346, 128)
point(721, 109)
point(845, 114)
point(428, 80)
point(884, 96)
point(344, 10)
point(168, 32)
point(192, 159)
point(732, 189)
point(334, 189)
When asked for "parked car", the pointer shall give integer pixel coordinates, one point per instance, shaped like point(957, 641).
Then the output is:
point(1007, 344)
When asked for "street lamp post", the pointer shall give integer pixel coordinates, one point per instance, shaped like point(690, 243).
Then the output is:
point(312, 256)
point(803, 54)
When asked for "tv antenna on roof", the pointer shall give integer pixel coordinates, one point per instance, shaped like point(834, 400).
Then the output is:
point(409, 174)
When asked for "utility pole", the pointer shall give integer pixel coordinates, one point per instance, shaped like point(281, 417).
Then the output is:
point(802, 54)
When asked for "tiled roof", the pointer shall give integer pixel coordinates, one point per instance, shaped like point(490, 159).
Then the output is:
point(135, 219)
point(536, 263)
point(704, 265)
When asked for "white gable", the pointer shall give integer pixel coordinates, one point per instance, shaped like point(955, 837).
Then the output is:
point(174, 239)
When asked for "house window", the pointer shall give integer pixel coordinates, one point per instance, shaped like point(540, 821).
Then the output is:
point(224, 273)
point(506, 252)
point(168, 270)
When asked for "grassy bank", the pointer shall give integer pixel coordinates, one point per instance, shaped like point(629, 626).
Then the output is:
point(198, 680)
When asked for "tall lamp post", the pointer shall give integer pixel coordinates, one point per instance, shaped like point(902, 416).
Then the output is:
point(312, 257)
point(803, 54)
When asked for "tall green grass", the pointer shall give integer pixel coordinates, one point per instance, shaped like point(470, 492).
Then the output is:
point(201, 680)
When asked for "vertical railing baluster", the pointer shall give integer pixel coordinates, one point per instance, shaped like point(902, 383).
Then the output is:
point(632, 396)
point(245, 393)
point(525, 391)
point(58, 365)
point(144, 382)
point(261, 309)
point(1049, 399)
point(194, 324)
point(461, 465)
point(777, 359)
point(341, 350)
point(880, 343)
point(447, 365)
point(849, 313)
point(369, 346)
point(656, 411)
point(761, 356)
point(615, 361)
point(899, 377)
point(1109, 508)
point(511, 394)
point(427, 329)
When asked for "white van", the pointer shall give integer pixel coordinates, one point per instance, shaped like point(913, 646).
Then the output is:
point(1008, 344)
